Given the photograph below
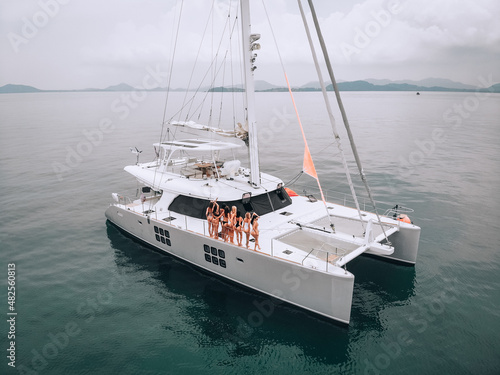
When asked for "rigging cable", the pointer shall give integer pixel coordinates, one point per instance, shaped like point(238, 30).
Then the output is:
point(330, 115)
point(231, 65)
point(308, 164)
point(195, 63)
point(171, 66)
point(344, 116)
point(168, 85)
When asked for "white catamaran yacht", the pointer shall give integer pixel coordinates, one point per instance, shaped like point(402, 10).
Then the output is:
point(305, 243)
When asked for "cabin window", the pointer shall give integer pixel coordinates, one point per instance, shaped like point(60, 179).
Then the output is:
point(211, 254)
point(261, 204)
point(281, 194)
point(246, 201)
point(162, 235)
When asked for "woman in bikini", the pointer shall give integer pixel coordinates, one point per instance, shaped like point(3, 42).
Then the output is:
point(255, 230)
point(247, 226)
point(209, 213)
point(231, 224)
point(238, 227)
point(224, 222)
point(217, 212)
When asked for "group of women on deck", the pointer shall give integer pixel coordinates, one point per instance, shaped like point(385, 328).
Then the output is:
point(232, 224)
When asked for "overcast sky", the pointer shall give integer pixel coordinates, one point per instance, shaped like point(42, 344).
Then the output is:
point(72, 44)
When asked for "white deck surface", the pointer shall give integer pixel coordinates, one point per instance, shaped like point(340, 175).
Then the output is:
point(283, 238)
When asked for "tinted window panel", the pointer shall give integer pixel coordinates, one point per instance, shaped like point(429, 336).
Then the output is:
point(261, 204)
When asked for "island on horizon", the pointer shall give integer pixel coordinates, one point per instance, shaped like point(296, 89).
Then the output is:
point(429, 84)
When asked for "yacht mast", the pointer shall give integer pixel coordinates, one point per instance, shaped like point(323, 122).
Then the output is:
point(249, 45)
point(330, 114)
point(344, 116)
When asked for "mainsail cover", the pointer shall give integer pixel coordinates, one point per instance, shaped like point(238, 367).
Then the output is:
point(240, 131)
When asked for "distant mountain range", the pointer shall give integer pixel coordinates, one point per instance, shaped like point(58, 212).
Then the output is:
point(429, 84)
point(12, 89)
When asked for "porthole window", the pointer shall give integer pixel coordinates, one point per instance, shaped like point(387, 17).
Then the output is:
point(167, 234)
point(162, 239)
point(212, 255)
point(157, 230)
point(161, 231)
point(168, 242)
point(157, 237)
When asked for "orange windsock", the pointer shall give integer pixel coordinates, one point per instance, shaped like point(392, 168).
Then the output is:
point(308, 165)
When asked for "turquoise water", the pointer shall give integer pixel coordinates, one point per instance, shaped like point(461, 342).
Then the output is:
point(92, 301)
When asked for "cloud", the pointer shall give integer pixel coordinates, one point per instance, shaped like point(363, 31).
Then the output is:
point(95, 43)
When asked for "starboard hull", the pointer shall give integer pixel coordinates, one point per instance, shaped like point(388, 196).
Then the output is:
point(405, 243)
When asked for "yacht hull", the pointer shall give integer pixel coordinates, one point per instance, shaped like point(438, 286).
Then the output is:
point(405, 243)
point(325, 293)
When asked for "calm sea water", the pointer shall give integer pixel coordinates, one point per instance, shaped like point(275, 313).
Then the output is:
point(92, 301)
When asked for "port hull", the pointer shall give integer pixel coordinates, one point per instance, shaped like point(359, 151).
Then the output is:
point(325, 293)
